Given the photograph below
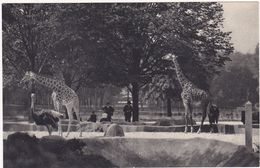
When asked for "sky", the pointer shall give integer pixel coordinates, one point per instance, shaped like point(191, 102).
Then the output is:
point(242, 19)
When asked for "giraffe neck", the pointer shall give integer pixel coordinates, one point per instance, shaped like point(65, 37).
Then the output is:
point(181, 77)
point(45, 81)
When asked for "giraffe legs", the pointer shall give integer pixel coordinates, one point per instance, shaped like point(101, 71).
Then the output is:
point(188, 115)
point(190, 118)
point(204, 113)
point(49, 129)
point(76, 110)
point(211, 128)
point(57, 107)
point(69, 110)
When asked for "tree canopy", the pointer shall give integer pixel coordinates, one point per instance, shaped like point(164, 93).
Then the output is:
point(238, 81)
point(118, 43)
point(132, 39)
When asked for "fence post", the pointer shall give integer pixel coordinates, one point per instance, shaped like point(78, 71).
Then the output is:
point(248, 125)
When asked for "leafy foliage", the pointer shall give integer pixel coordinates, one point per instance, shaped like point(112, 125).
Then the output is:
point(134, 37)
point(26, 37)
point(238, 82)
point(118, 43)
point(162, 87)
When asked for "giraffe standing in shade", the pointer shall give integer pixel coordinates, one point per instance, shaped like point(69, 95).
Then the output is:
point(64, 95)
point(189, 94)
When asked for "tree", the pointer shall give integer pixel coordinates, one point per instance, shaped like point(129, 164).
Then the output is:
point(233, 88)
point(238, 81)
point(27, 38)
point(73, 52)
point(125, 42)
point(132, 38)
point(163, 87)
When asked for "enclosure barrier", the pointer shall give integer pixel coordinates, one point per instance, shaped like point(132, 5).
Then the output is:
point(248, 125)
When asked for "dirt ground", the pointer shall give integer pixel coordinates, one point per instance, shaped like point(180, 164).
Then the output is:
point(238, 139)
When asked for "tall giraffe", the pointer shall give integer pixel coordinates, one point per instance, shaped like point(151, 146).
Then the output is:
point(190, 93)
point(64, 95)
point(57, 76)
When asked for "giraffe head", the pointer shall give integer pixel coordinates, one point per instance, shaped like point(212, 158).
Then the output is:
point(169, 57)
point(28, 76)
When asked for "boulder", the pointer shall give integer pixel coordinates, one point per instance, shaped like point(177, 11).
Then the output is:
point(21, 143)
point(114, 130)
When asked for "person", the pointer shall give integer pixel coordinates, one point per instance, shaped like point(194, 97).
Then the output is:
point(243, 117)
point(104, 117)
point(128, 109)
point(109, 110)
point(213, 115)
point(93, 117)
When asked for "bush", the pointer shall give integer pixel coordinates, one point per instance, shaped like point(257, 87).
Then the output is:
point(24, 151)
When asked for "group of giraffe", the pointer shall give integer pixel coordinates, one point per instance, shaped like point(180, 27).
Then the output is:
point(65, 96)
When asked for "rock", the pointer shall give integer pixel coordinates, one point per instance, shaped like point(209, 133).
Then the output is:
point(22, 142)
point(20, 137)
point(114, 130)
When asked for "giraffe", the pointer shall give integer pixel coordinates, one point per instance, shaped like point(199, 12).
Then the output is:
point(190, 93)
point(57, 76)
point(64, 95)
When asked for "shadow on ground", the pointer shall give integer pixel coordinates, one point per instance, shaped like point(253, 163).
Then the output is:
point(22, 150)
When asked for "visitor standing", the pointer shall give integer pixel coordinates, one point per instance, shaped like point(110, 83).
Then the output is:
point(128, 109)
point(93, 117)
point(213, 114)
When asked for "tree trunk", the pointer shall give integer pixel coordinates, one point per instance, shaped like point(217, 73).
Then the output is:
point(32, 92)
point(127, 94)
point(135, 97)
point(169, 107)
point(102, 100)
